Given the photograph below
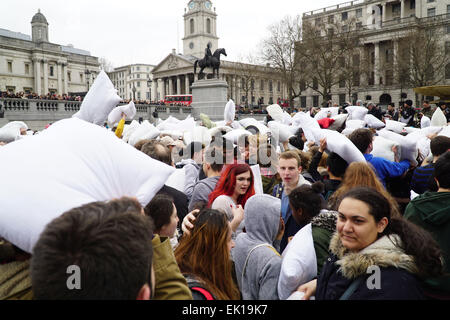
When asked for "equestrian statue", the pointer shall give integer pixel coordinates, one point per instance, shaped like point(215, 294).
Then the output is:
point(210, 61)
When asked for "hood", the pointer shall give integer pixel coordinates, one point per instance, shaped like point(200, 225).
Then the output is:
point(262, 218)
point(190, 161)
point(433, 207)
point(326, 219)
point(382, 253)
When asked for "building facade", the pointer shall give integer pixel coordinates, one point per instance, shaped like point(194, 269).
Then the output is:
point(251, 84)
point(381, 23)
point(133, 82)
point(34, 64)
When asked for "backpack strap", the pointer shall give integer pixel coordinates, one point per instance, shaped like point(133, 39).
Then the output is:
point(248, 257)
point(351, 289)
point(204, 292)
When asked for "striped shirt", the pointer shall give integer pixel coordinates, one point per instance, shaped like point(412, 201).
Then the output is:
point(422, 180)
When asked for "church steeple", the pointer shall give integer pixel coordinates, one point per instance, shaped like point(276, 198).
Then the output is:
point(199, 28)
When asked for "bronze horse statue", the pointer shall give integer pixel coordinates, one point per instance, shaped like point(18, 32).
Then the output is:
point(215, 63)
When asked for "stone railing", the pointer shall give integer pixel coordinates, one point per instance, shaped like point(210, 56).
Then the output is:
point(53, 110)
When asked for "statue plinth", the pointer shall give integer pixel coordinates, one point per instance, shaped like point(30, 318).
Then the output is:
point(209, 97)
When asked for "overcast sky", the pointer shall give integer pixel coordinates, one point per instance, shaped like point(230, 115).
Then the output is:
point(146, 31)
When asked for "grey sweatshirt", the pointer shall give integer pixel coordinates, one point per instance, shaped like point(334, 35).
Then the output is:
point(191, 169)
point(262, 219)
point(202, 189)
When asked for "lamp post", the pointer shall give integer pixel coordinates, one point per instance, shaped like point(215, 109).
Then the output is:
point(134, 93)
point(87, 73)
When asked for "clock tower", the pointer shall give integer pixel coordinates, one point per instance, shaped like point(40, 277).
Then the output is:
point(199, 28)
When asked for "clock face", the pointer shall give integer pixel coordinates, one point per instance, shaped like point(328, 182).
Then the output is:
point(192, 5)
point(208, 5)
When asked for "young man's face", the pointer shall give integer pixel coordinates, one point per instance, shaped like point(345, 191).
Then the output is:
point(289, 171)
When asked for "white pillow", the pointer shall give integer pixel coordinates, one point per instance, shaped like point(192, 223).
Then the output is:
point(395, 126)
point(438, 119)
point(248, 122)
point(355, 124)
point(340, 144)
point(382, 148)
point(299, 264)
point(230, 111)
point(69, 170)
point(307, 123)
point(177, 180)
point(234, 136)
point(199, 134)
point(411, 130)
point(423, 145)
point(445, 132)
point(281, 132)
point(174, 134)
point(425, 122)
point(275, 112)
point(9, 134)
point(323, 113)
point(408, 147)
point(257, 179)
point(16, 124)
point(356, 112)
point(115, 115)
point(348, 131)
point(287, 119)
point(99, 101)
point(129, 129)
point(339, 121)
point(374, 122)
point(217, 129)
point(145, 131)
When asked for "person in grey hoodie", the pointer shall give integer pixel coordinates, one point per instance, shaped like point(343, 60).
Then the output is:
point(193, 155)
point(257, 262)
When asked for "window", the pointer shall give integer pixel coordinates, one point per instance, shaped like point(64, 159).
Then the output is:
point(428, 1)
point(396, 8)
point(138, 68)
point(138, 76)
point(315, 101)
point(270, 86)
point(69, 76)
point(252, 84)
point(279, 86)
point(315, 85)
point(344, 16)
point(192, 25)
point(262, 85)
point(27, 68)
point(28, 90)
point(341, 83)
point(330, 19)
point(356, 77)
point(447, 47)
point(303, 102)
point(412, 4)
point(448, 8)
point(341, 99)
point(138, 83)
point(81, 77)
point(448, 29)
point(139, 95)
point(359, 13)
point(358, 25)
point(302, 85)
point(52, 71)
point(9, 66)
point(208, 25)
point(431, 12)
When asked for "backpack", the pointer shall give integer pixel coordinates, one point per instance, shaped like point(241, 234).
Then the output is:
point(196, 286)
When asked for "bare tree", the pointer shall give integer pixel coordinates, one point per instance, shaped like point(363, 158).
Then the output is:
point(421, 57)
point(105, 64)
point(246, 69)
point(279, 48)
point(326, 55)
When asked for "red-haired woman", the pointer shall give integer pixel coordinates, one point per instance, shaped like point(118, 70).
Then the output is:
point(235, 187)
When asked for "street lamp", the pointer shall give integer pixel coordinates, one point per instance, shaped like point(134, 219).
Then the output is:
point(87, 73)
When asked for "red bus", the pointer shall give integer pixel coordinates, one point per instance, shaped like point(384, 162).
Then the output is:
point(185, 100)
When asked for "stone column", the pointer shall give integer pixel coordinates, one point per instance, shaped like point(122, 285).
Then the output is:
point(395, 57)
point(178, 85)
point(170, 86)
point(377, 63)
point(60, 90)
point(37, 75)
point(45, 91)
point(66, 87)
point(187, 84)
point(383, 13)
point(163, 91)
point(154, 96)
point(402, 9)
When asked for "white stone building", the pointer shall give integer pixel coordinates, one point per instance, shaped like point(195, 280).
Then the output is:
point(34, 64)
point(133, 82)
point(382, 23)
point(175, 74)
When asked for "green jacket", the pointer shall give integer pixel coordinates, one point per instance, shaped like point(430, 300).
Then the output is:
point(431, 211)
point(170, 283)
point(323, 228)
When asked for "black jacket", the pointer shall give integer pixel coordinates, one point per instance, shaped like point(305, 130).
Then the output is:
point(180, 200)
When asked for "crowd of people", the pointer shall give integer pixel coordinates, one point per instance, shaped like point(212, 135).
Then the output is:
point(35, 96)
point(321, 227)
